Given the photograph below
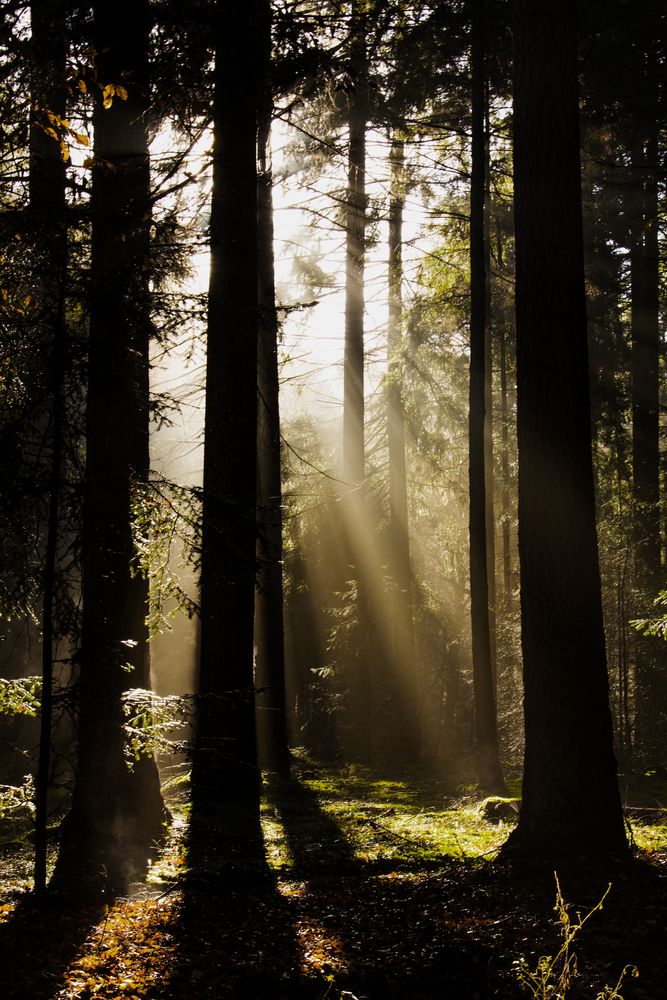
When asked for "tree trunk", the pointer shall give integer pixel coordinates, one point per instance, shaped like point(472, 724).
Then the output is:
point(404, 681)
point(503, 365)
point(505, 472)
point(489, 471)
point(48, 214)
point(571, 803)
point(269, 628)
point(485, 706)
point(225, 766)
point(353, 363)
point(353, 506)
point(117, 812)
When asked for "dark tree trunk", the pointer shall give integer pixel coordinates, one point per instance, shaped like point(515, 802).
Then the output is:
point(571, 803)
point(651, 688)
point(269, 628)
point(505, 470)
point(404, 680)
point(503, 365)
point(353, 505)
point(353, 364)
point(48, 215)
point(225, 766)
point(117, 812)
point(485, 705)
point(489, 471)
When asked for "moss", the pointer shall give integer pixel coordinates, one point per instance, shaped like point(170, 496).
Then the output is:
point(497, 809)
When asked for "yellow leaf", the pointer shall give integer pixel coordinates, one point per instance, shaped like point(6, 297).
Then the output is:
point(122, 93)
point(83, 89)
point(82, 139)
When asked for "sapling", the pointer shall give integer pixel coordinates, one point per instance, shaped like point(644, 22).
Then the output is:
point(552, 977)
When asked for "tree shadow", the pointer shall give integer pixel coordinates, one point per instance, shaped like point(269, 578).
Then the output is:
point(316, 843)
point(376, 925)
point(38, 943)
point(233, 933)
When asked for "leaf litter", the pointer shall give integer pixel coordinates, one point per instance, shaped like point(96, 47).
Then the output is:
point(372, 889)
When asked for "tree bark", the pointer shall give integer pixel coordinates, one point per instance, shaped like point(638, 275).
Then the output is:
point(486, 734)
point(401, 659)
point(117, 812)
point(48, 215)
point(225, 765)
point(353, 362)
point(269, 627)
point(489, 471)
point(571, 803)
point(353, 503)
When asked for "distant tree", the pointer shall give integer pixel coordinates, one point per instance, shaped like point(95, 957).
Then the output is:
point(571, 803)
point(480, 477)
point(117, 811)
point(353, 363)
point(401, 648)
point(225, 765)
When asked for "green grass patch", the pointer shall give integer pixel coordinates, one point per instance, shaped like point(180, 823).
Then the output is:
point(351, 818)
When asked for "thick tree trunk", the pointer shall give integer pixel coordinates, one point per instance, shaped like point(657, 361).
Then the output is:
point(225, 767)
point(48, 215)
point(485, 705)
point(269, 628)
point(571, 803)
point(117, 812)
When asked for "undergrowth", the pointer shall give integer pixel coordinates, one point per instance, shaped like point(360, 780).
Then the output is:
point(554, 975)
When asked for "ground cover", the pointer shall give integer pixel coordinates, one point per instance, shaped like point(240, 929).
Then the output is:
point(363, 885)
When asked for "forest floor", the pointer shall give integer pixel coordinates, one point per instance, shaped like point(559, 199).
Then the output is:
point(362, 886)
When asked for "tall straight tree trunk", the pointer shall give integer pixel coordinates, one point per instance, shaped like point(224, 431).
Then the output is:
point(225, 766)
point(48, 213)
point(353, 362)
point(403, 644)
point(489, 472)
point(353, 508)
point(269, 628)
point(116, 812)
point(504, 445)
point(651, 689)
point(486, 734)
point(571, 803)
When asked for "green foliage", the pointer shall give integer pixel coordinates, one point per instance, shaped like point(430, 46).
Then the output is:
point(16, 799)
point(656, 626)
point(20, 696)
point(164, 519)
point(553, 976)
point(152, 721)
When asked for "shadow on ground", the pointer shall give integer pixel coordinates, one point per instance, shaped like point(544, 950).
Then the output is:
point(38, 942)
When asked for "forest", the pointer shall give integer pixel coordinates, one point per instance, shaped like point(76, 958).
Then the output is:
point(333, 527)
